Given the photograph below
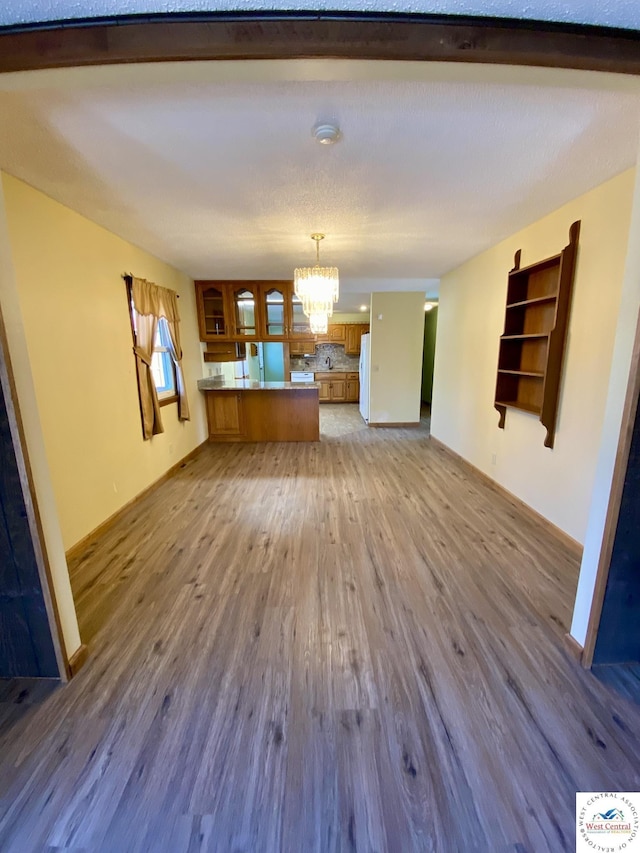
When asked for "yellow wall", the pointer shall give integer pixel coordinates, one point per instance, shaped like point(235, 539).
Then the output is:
point(397, 330)
point(557, 483)
point(74, 309)
point(358, 317)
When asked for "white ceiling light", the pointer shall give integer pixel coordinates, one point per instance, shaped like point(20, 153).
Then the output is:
point(364, 307)
point(326, 133)
point(429, 306)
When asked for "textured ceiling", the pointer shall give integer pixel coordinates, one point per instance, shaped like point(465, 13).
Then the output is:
point(220, 176)
point(614, 13)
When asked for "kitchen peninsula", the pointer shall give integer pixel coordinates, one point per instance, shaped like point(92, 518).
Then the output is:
point(243, 410)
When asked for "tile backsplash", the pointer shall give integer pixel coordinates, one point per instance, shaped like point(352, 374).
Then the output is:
point(318, 362)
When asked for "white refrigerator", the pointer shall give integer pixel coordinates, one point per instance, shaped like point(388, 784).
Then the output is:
point(365, 365)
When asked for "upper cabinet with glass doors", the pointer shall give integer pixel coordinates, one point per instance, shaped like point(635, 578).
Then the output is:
point(282, 314)
point(274, 307)
point(250, 311)
point(213, 311)
point(245, 310)
point(228, 310)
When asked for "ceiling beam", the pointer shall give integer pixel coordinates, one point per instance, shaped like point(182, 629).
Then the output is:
point(293, 35)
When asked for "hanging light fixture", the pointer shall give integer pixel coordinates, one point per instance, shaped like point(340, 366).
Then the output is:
point(318, 289)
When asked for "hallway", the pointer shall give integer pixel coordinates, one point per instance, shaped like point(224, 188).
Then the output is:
point(349, 645)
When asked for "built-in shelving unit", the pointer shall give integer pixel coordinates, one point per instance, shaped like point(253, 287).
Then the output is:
point(535, 331)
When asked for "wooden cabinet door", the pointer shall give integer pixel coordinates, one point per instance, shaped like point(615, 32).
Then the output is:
point(244, 304)
point(335, 334)
point(354, 333)
point(353, 390)
point(338, 391)
point(213, 311)
point(325, 391)
point(225, 413)
point(352, 340)
point(301, 347)
point(274, 310)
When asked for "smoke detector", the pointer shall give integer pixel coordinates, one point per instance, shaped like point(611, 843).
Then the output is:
point(326, 134)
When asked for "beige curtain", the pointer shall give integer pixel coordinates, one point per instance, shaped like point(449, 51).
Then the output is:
point(146, 327)
point(173, 324)
point(151, 302)
point(148, 298)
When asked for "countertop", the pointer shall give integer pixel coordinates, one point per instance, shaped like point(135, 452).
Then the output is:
point(249, 385)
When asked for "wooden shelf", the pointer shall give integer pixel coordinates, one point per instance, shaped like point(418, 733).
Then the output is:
point(524, 407)
point(534, 374)
point(537, 267)
point(538, 300)
point(535, 330)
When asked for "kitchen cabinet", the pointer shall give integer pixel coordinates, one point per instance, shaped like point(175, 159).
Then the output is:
point(228, 310)
point(250, 311)
point(220, 351)
point(274, 310)
point(261, 411)
point(225, 415)
point(338, 387)
point(335, 334)
point(353, 336)
point(281, 311)
point(338, 390)
point(244, 310)
point(212, 305)
point(302, 347)
point(348, 334)
point(353, 388)
point(333, 387)
point(325, 389)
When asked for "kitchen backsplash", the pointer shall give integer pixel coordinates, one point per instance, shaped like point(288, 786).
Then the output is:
point(318, 362)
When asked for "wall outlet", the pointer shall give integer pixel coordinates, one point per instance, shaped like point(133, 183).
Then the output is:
point(494, 458)
point(115, 488)
point(170, 449)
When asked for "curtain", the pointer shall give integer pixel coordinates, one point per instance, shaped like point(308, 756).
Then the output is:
point(151, 302)
point(146, 327)
point(173, 324)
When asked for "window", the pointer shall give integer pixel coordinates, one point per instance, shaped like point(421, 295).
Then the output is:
point(155, 331)
point(162, 366)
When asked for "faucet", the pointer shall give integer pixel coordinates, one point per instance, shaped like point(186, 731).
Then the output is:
point(328, 362)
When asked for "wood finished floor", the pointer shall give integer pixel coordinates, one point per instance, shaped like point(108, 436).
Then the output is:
point(346, 646)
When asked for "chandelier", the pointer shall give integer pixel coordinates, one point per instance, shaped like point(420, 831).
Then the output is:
point(317, 289)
